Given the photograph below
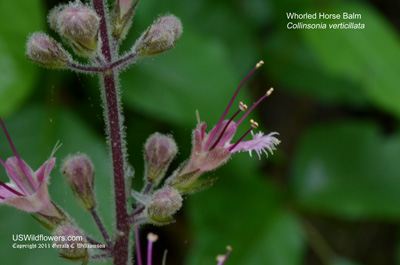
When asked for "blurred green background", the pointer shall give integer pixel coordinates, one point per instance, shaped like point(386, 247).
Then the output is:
point(330, 194)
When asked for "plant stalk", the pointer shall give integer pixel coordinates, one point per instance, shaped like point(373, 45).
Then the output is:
point(114, 128)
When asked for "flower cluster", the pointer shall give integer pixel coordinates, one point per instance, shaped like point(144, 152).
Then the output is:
point(92, 33)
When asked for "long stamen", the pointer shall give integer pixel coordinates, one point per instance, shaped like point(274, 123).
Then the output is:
point(254, 125)
point(18, 157)
point(138, 251)
point(151, 238)
point(22, 187)
point(258, 65)
point(222, 258)
point(242, 107)
point(269, 92)
point(10, 189)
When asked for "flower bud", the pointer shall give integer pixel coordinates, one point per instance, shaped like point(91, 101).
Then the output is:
point(70, 241)
point(159, 150)
point(53, 17)
point(79, 172)
point(46, 51)
point(79, 25)
point(160, 37)
point(122, 15)
point(164, 203)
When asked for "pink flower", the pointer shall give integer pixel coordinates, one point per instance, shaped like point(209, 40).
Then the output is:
point(27, 190)
point(213, 149)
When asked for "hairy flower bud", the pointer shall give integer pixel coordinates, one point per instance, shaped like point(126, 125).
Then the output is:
point(160, 37)
point(159, 150)
point(70, 241)
point(164, 203)
point(53, 17)
point(122, 15)
point(79, 25)
point(46, 51)
point(79, 173)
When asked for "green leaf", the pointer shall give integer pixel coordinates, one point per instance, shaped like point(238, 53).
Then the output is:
point(368, 58)
point(243, 210)
point(348, 169)
point(17, 20)
point(172, 87)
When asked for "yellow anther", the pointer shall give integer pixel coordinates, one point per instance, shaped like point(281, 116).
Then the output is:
point(242, 106)
point(259, 64)
point(253, 124)
point(269, 92)
point(152, 237)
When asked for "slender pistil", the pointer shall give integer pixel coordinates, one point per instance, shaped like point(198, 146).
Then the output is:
point(254, 125)
point(10, 189)
point(18, 157)
point(138, 251)
point(258, 65)
point(242, 107)
point(268, 93)
point(151, 239)
point(11, 173)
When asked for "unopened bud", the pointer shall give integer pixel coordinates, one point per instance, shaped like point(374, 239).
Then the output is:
point(46, 51)
point(160, 37)
point(79, 173)
point(79, 25)
point(53, 17)
point(70, 243)
point(159, 150)
point(164, 203)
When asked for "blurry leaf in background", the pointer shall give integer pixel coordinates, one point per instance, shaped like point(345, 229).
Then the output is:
point(18, 75)
point(45, 128)
point(171, 90)
point(368, 58)
point(244, 211)
point(348, 170)
point(344, 261)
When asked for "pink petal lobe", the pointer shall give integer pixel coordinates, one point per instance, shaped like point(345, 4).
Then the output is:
point(43, 173)
point(15, 167)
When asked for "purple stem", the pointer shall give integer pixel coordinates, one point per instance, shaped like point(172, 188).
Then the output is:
point(126, 60)
point(227, 109)
point(114, 129)
point(14, 178)
point(138, 251)
point(149, 251)
point(18, 157)
point(101, 227)
point(85, 68)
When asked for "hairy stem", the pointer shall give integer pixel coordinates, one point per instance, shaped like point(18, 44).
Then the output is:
point(114, 130)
